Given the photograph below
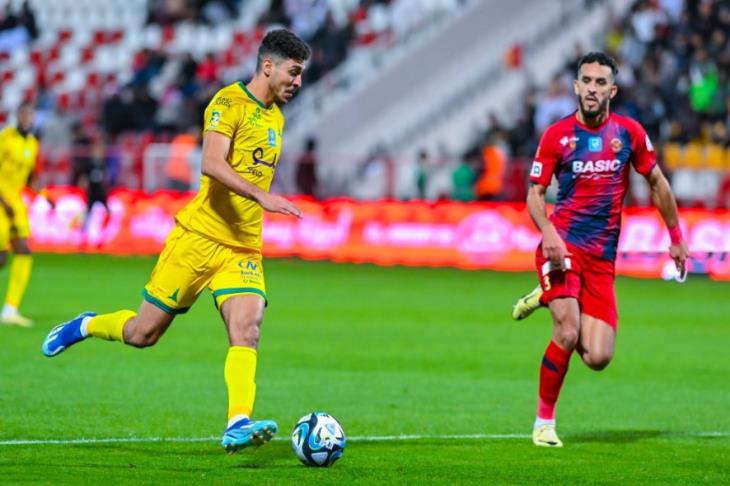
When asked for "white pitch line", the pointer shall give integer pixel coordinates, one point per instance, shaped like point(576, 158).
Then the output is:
point(361, 438)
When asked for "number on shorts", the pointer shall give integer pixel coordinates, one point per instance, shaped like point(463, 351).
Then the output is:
point(546, 282)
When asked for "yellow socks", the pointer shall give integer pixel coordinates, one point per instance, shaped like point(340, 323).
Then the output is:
point(19, 276)
point(109, 326)
point(240, 372)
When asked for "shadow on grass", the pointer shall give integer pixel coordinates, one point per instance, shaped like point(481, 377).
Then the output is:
point(616, 436)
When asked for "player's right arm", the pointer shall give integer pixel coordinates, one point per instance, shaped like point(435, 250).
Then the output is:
point(553, 246)
point(215, 165)
point(541, 173)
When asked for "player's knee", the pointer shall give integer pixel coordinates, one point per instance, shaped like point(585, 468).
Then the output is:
point(246, 332)
point(567, 337)
point(598, 361)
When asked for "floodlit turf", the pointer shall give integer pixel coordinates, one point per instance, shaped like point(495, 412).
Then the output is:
point(388, 351)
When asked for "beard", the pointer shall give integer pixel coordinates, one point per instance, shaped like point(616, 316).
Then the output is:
point(281, 99)
point(595, 113)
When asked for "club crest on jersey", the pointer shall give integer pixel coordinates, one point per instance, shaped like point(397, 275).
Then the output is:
point(595, 144)
point(536, 170)
point(617, 144)
point(272, 137)
point(215, 118)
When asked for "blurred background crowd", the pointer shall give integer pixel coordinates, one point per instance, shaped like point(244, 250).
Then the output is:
point(121, 86)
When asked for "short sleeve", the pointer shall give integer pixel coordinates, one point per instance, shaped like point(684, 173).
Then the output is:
point(222, 115)
point(643, 157)
point(546, 158)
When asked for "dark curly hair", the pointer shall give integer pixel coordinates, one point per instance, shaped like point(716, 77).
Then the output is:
point(282, 44)
point(601, 58)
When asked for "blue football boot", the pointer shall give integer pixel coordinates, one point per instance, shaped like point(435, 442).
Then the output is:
point(247, 433)
point(64, 335)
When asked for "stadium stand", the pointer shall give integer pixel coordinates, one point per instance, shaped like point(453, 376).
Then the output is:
point(138, 72)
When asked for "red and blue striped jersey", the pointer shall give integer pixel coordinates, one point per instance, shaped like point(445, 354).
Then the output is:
point(592, 169)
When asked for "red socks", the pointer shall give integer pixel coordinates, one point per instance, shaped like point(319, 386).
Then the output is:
point(552, 373)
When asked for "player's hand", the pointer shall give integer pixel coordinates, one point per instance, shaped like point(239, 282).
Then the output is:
point(278, 204)
point(679, 253)
point(553, 247)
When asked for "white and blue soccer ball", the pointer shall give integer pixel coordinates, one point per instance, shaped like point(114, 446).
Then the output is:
point(318, 439)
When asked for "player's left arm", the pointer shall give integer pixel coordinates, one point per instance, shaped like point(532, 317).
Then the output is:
point(663, 199)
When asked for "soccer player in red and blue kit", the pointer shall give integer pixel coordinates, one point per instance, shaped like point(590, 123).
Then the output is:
point(590, 153)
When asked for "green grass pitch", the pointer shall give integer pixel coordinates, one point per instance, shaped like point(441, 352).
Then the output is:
point(389, 352)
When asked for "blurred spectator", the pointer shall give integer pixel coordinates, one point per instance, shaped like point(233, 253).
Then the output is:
point(168, 12)
point(494, 159)
point(26, 18)
point(80, 154)
point(117, 115)
point(143, 109)
point(16, 31)
point(306, 177)
point(704, 90)
point(556, 103)
point(374, 180)
point(94, 178)
point(207, 72)
point(464, 177)
point(56, 135)
point(216, 12)
point(178, 169)
point(423, 169)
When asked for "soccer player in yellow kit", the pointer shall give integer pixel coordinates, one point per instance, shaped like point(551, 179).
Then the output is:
point(216, 242)
point(18, 154)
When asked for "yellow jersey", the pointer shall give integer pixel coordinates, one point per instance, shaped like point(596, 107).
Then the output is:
point(18, 155)
point(255, 132)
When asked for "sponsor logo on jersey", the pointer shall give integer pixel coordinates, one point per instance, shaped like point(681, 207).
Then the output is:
point(568, 141)
point(536, 170)
point(617, 144)
point(649, 146)
point(272, 137)
point(595, 144)
point(254, 119)
point(223, 101)
point(595, 166)
point(215, 118)
point(257, 155)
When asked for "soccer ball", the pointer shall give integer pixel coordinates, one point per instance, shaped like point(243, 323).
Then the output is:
point(318, 439)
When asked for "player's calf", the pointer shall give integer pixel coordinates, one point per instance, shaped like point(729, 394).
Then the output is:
point(141, 337)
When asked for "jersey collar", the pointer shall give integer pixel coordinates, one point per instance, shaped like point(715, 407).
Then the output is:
point(250, 95)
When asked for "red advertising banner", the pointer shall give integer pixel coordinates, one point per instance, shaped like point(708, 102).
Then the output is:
point(497, 236)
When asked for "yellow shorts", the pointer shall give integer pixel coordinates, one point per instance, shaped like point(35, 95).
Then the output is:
point(189, 262)
point(16, 228)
